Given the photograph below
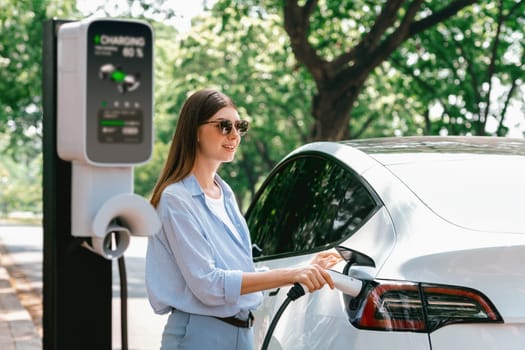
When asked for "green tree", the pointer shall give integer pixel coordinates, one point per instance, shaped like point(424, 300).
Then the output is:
point(342, 42)
point(243, 53)
point(241, 48)
point(469, 69)
point(20, 186)
point(20, 100)
point(20, 71)
point(314, 69)
point(20, 91)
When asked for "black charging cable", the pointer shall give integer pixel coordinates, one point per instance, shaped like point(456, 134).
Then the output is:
point(294, 293)
point(123, 303)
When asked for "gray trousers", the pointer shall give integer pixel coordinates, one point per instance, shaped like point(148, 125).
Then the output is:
point(197, 332)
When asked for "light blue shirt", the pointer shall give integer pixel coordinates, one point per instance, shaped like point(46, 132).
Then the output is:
point(195, 263)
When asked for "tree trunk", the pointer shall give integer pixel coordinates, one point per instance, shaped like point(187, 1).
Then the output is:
point(340, 80)
point(331, 109)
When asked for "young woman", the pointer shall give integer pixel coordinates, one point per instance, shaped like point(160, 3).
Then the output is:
point(199, 266)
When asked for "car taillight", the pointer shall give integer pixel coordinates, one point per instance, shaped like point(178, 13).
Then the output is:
point(414, 307)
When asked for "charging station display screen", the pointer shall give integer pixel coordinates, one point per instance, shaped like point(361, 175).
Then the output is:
point(119, 91)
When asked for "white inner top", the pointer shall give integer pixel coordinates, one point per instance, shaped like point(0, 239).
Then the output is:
point(218, 208)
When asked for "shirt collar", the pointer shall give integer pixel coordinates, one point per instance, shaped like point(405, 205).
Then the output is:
point(191, 183)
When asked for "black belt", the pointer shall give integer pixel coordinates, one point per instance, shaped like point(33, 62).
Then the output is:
point(234, 321)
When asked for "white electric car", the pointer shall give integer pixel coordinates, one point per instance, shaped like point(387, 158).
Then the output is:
point(433, 226)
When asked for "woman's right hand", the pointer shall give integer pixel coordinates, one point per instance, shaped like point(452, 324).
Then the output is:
point(313, 277)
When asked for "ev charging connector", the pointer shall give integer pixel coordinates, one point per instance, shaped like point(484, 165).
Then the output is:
point(346, 284)
point(350, 286)
point(105, 127)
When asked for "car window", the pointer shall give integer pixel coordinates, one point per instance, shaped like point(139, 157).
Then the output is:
point(307, 203)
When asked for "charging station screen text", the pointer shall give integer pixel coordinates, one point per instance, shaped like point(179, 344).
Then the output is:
point(119, 77)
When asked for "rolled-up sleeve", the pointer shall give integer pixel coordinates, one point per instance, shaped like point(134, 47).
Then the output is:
point(232, 286)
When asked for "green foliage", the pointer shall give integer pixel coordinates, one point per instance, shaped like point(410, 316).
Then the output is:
point(146, 175)
point(20, 185)
point(20, 100)
point(244, 53)
point(20, 53)
point(337, 26)
point(463, 76)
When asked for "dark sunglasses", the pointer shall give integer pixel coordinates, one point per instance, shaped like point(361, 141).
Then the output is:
point(226, 126)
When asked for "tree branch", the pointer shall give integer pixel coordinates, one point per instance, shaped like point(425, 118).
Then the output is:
point(370, 42)
point(492, 65)
point(513, 10)
point(297, 24)
point(506, 104)
point(474, 82)
point(383, 51)
point(439, 16)
point(400, 34)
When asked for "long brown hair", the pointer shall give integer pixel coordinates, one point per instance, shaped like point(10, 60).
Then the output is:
point(198, 108)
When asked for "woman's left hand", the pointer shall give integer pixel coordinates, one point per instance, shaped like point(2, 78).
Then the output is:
point(326, 259)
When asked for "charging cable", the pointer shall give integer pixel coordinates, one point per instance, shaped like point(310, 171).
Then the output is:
point(294, 293)
point(123, 303)
point(346, 284)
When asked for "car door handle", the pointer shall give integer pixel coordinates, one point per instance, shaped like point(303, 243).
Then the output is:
point(274, 292)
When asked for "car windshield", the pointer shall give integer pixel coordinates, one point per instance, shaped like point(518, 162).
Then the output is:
point(480, 192)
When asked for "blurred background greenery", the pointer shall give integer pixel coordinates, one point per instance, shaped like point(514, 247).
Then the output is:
point(300, 71)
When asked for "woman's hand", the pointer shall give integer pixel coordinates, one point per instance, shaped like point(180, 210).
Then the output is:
point(313, 277)
point(326, 259)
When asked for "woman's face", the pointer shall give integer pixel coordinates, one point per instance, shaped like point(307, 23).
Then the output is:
point(213, 144)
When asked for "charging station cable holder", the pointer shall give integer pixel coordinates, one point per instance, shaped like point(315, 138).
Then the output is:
point(105, 209)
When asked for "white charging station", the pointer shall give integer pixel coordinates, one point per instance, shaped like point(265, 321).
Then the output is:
point(105, 127)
